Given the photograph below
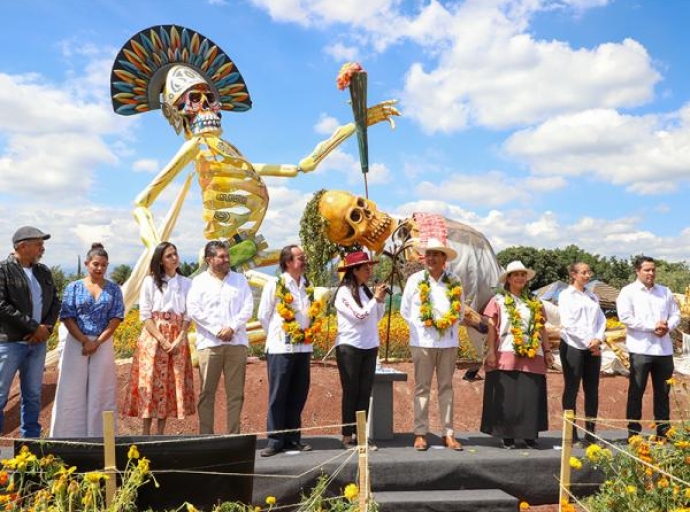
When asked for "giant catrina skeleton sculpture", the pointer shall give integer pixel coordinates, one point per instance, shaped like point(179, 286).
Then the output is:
point(191, 80)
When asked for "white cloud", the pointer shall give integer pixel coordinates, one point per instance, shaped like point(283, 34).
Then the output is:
point(650, 154)
point(493, 188)
point(149, 165)
point(326, 125)
point(350, 166)
point(342, 53)
point(621, 237)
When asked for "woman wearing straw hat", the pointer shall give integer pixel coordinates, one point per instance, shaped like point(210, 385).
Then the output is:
point(359, 311)
point(516, 361)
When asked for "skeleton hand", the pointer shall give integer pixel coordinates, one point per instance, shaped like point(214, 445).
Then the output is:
point(383, 111)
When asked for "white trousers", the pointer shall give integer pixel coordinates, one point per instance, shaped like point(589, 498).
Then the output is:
point(86, 387)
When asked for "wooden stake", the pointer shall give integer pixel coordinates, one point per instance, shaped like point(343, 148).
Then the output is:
point(364, 490)
point(568, 426)
point(110, 467)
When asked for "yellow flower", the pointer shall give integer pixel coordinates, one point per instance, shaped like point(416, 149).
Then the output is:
point(631, 489)
point(351, 491)
point(663, 483)
point(671, 381)
point(270, 500)
point(191, 508)
point(133, 453)
point(575, 463)
point(524, 505)
point(94, 477)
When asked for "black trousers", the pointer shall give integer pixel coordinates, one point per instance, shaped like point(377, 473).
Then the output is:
point(288, 387)
point(661, 369)
point(580, 366)
point(357, 368)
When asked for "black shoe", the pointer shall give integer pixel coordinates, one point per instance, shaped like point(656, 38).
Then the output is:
point(532, 443)
point(298, 447)
point(508, 444)
point(472, 376)
point(269, 451)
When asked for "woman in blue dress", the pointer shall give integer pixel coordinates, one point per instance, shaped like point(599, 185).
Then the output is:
point(92, 308)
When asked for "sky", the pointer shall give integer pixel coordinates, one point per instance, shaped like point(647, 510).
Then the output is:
point(541, 123)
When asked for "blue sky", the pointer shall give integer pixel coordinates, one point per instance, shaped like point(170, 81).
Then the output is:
point(538, 122)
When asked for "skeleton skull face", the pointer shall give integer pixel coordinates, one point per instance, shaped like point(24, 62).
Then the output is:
point(190, 103)
point(353, 219)
point(201, 108)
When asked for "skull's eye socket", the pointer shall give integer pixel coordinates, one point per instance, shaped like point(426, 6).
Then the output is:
point(210, 97)
point(194, 97)
point(355, 216)
point(361, 203)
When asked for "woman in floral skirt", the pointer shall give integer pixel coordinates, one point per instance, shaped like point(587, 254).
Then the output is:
point(161, 384)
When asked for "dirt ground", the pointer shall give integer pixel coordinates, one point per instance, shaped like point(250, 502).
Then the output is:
point(322, 411)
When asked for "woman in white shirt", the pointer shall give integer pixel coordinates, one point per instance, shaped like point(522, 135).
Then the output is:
point(582, 332)
point(359, 311)
point(161, 382)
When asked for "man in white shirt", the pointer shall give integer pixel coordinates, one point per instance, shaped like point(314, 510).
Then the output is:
point(287, 356)
point(220, 303)
point(650, 312)
point(434, 339)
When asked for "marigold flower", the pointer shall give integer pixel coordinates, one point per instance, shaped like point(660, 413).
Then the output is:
point(4, 477)
point(671, 381)
point(288, 298)
point(270, 500)
point(351, 491)
point(133, 453)
point(575, 463)
point(524, 505)
point(630, 489)
point(662, 483)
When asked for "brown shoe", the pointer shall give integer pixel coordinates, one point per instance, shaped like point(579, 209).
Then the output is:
point(452, 443)
point(420, 443)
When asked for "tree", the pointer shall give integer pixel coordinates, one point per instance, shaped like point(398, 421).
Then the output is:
point(60, 279)
point(120, 274)
point(319, 250)
point(187, 269)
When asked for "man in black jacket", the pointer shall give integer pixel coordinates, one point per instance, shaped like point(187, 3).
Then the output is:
point(29, 308)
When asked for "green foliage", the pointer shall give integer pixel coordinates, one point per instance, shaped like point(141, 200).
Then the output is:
point(319, 250)
point(187, 269)
point(120, 274)
point(552, 264)
point(60, 279)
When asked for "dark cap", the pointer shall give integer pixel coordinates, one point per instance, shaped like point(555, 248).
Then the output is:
point(28, 233)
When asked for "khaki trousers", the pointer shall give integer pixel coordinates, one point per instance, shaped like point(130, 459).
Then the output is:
point(231, 361)
point(426, 361)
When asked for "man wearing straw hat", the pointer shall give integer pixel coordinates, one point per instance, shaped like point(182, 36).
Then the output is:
point(432, 305)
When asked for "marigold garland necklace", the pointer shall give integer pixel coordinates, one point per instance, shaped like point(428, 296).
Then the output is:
point(291, 326)
point(426, 309)
point(525, 344)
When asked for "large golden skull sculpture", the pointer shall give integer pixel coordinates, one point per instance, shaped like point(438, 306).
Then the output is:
point(353, 219)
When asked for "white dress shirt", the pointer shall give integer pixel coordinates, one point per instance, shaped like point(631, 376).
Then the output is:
point(277, 341)
point(640, 308)
point(358, 326)
point(582, 319)
point(214, 304)
point(172, 298)
point(420, 335)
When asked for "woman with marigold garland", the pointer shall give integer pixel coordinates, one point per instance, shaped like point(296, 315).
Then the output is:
point(161, 382)
point(517, 357)
point(433, 306)
point(357, 346)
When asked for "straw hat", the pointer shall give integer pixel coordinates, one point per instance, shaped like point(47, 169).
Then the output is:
point(434, 244)
point(516, 266)
point(355, 259)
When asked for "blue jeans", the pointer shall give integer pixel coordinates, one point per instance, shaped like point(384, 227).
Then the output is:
point(30, 360)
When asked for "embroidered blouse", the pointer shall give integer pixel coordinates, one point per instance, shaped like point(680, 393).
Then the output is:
point(358, 326)
point(172, 298)
point(92, 315)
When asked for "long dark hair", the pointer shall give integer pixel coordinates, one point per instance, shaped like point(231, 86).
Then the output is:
point(350, 281)
point(156, 266)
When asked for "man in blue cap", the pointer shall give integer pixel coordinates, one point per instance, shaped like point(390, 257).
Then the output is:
point(29, 308)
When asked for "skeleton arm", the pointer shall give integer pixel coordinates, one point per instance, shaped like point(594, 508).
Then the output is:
point(142, 214)
point(383, 111)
